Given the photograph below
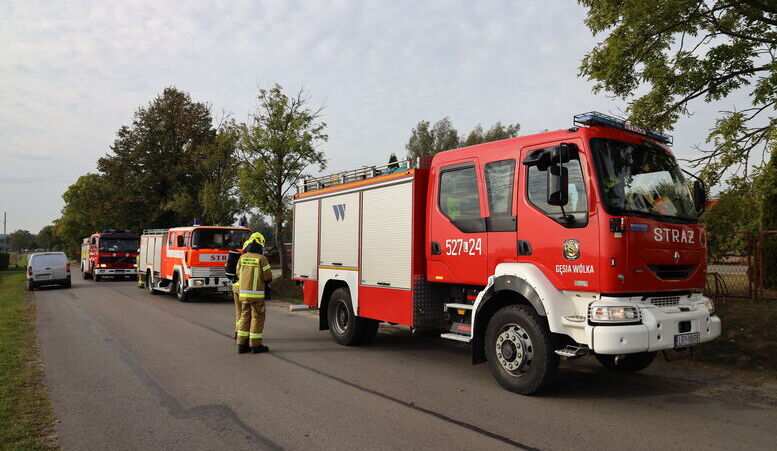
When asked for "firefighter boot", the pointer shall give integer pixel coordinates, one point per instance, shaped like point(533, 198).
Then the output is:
point(242, 349)
point(259, 349)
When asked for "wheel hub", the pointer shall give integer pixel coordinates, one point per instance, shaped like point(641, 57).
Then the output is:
point(514, 349)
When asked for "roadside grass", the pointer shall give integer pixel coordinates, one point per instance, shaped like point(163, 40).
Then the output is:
point(26, 422)
point(286, 290)
point(748, 340)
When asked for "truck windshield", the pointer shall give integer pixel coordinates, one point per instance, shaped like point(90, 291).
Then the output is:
point(128, 244)
point(219, 238)
point(641, 180)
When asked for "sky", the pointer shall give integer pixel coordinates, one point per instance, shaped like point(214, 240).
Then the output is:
point(72, 73)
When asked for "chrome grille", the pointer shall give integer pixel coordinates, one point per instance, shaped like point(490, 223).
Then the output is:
point(208, 271)
point(665, 301)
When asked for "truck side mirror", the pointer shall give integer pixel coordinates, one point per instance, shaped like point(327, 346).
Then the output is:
point(558, 175)
point(558, 185)
point(699, 196)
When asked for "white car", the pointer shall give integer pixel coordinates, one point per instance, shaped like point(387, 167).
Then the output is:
point(48, 268)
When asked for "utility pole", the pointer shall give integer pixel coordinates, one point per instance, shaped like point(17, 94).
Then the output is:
point(5, 235)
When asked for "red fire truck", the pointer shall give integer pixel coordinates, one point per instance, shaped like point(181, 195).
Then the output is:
point(555, 245)
point(187, 259)
point(109, 253)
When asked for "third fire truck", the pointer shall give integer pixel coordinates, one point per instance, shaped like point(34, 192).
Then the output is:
point(183, 260)
point(555, 245)
point(110, 253)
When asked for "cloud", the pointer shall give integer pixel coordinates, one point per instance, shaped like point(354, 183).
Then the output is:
point(21, 180)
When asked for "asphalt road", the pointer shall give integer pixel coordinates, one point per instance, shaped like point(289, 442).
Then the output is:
point(128, 370)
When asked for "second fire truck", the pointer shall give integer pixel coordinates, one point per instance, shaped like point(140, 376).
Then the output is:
point(561, 244)
point(183, 260)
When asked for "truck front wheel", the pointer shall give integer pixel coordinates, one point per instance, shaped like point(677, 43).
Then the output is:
point(520, 350)
point(628, 363)
point(346, 328)
point(180, 290)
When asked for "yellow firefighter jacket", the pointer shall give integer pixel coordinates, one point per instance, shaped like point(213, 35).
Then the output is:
point(253, 271)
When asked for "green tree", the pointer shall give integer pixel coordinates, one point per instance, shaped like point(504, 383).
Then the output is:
point(48, 239)
point(392, 163)
point(88, 208)
point(20, 240)
point(677, 52)
point(427, 140)
point(276, 147)
point(674, 52)
point(495, 133)
point(171, 165)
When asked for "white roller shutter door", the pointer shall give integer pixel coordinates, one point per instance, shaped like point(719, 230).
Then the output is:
point(340, 230)
point(305, 257)
point(387, 236)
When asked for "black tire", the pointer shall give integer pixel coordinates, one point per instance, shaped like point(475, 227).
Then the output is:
point(628, 363)
point(180, 293)
point(345, 327)
point(30, 285)
point(525, 361)
point(68, 284)
point(370, 330)
point(150, 282)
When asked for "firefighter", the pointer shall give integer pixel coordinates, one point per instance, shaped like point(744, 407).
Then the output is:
point(254, 274)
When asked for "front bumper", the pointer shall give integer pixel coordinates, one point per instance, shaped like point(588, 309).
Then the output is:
point(657, 329)
point(219, 284)
point(115, 271)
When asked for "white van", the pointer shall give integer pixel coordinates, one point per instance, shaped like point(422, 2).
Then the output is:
point(48, 268)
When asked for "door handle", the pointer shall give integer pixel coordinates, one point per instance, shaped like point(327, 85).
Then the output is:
point(524, 247)
point(436, 249)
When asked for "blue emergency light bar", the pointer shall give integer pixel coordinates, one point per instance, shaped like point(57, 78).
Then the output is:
point(597, 119)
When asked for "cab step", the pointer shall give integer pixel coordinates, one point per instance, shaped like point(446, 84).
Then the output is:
point(573, 352)
point(459, 306)
point(456, 337)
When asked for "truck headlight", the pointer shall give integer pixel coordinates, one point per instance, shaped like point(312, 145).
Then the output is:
point(102, 265)
point(615, 314)
point(710, 304)
point(198, 283)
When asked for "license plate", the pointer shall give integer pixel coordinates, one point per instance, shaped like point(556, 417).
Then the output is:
point(224, 288)
point(685, 340)
point(43, 276)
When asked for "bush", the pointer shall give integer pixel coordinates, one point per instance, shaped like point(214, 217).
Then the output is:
point(5, 259)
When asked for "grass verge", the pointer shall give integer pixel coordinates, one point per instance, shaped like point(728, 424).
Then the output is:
point(748, 340)
point(25, 411)
point(286, 290)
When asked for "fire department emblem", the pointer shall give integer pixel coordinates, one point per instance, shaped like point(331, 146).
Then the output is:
point(571, 249)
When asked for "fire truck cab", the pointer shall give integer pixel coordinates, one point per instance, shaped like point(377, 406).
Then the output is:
point(110, 253)
point(532, 249)
point(187, 259)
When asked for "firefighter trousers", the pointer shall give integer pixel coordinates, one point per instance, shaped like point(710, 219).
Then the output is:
point(251, 323)
point(236, 298)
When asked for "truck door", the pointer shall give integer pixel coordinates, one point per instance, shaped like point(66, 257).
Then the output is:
point(457, 248)
point(564, 246)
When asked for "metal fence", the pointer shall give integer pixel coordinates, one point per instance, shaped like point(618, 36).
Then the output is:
point(743, 265)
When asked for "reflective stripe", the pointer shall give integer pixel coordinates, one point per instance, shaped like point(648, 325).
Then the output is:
point(250, 261)
point(256, 335)
point(252, 296)
point(256, 276)
point(265, 268)
point(242, 333)
point(251, 292)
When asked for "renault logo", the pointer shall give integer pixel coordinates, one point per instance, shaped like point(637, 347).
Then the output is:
point(676, 257)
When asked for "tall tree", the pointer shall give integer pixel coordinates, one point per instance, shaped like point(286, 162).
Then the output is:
point(48, 239)
point(276, 147)
point(495, 133)
point(88, 208)
point(427, 140)
point(20, 240)
point(675, 52)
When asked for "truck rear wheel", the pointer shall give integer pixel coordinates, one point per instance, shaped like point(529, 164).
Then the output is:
point(346, 328)
point(150, 282)
point(628, 363)
point(97, 278)
point(519, 348)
